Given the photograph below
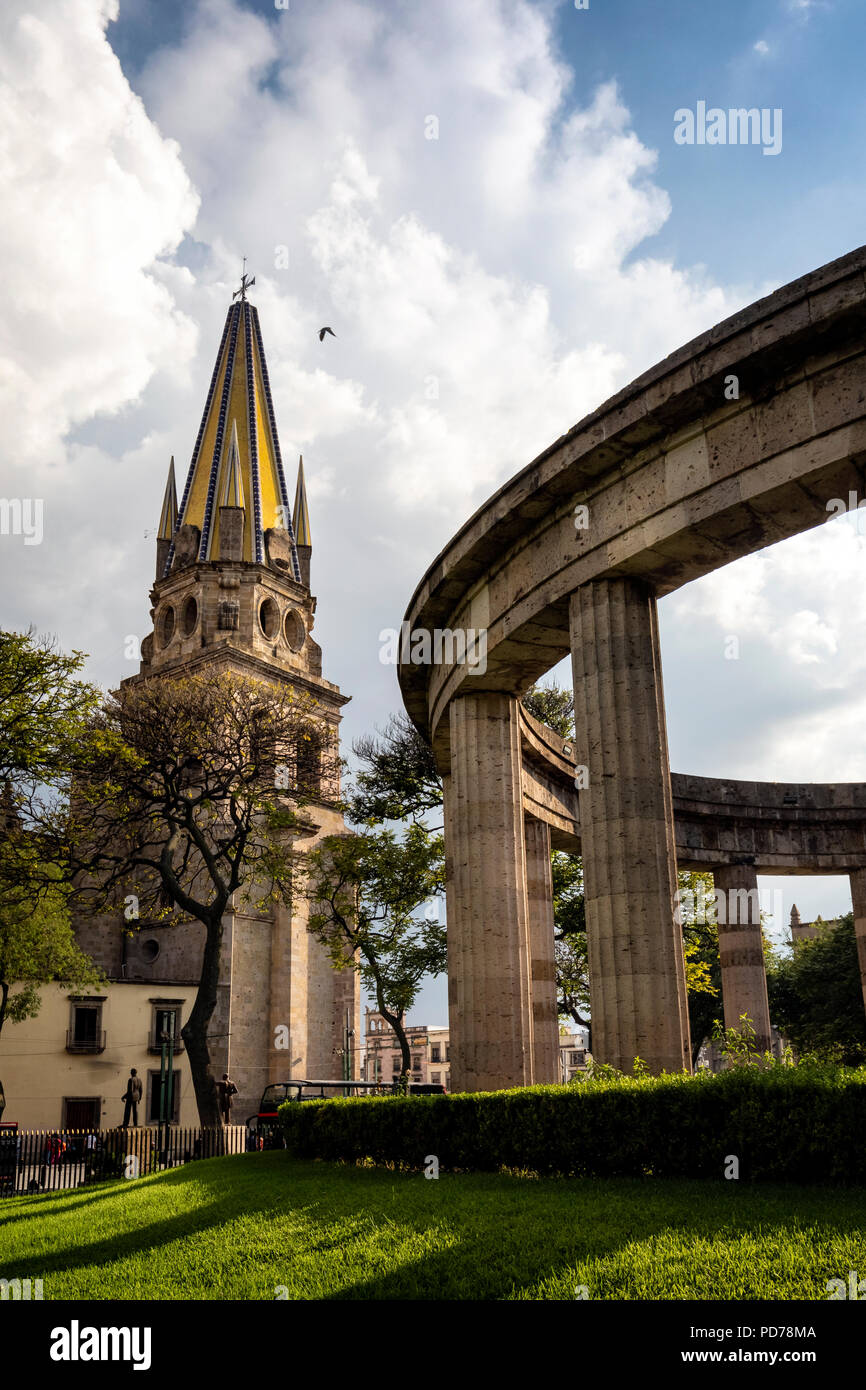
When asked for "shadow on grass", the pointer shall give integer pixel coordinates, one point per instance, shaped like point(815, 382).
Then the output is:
point(39, 1203)
point(506, 1233)
point(496, 1260)
point(72, 1198)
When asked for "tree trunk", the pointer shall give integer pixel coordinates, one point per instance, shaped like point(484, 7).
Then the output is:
point(404, 1053)
point(565, 1006)
point(395, 1022)
point(195, 1031)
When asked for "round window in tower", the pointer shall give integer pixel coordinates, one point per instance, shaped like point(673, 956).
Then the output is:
point(190, 616)
point(165, 625)
point(269, 618)
point(150, 949)
point(293, 627)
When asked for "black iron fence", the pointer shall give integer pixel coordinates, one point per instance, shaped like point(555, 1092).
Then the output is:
point(45, 1160)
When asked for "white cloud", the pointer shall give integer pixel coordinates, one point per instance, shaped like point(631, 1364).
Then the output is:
point(487, 287)
point(789, 707)
point(761, 46)
point(92, 194)
point(804, 9)
point(487, 263)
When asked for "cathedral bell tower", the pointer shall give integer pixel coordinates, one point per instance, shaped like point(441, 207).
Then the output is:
point(232, 591)
point(233, 574)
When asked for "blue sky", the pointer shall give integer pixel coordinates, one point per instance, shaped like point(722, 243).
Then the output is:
point(744, 214)
point(549, 245)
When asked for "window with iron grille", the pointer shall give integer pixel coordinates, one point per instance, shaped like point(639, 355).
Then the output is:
point(85, 1025)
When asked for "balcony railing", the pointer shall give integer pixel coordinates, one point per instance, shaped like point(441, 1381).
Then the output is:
point(94, 1044)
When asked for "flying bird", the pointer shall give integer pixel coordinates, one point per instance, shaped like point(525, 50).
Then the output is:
point(323, 331)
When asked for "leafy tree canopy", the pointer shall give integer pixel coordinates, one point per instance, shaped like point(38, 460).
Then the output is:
point(398, 778)
point(816, 998)
point(554, 706)
point(183, 795)
point(369, 887)
point(44, 705)
point(37, 946)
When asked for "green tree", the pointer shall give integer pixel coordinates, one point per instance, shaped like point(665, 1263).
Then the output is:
point(44, 710)
point(816, 998)
point(368, 888)
point(176, 799)
point(554, 706)
point(37, 946)
point(397, 778)
point(44, 706)
point(701, 951)
point(569, 933)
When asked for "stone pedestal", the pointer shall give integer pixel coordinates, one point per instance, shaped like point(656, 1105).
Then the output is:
point(539, 892)
point(305, 555)
point(744, 974)
point(489, 987)
point(858, 901)
point(637, 971)
point(163, 548)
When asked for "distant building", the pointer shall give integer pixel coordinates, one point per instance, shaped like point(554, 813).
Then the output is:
point(429, 1047)
point(807, 931)
point(68, 1067)
point(573, 1054)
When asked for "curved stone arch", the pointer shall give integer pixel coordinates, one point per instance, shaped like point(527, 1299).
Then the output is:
point(777, 827)
point(677, 478)
point(679, 482)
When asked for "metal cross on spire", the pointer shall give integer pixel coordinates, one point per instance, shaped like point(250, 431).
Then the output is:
point(246, 283)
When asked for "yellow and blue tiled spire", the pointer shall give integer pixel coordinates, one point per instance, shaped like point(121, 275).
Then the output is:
point(301, 515)
point(168, 515)
point(237, 451)
point(233, 485)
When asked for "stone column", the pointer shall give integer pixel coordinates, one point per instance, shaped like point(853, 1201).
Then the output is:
point(284, 968)
point(489, 997)
point(637, 971)
point(858, 902)
point(539, 892)
point(744, 974)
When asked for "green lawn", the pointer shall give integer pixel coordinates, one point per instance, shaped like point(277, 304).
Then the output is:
point(237, 1228)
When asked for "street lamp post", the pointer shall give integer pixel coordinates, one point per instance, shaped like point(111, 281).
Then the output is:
point(166, 1088)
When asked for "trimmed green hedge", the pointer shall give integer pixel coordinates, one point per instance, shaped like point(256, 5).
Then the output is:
point(793, 1124)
